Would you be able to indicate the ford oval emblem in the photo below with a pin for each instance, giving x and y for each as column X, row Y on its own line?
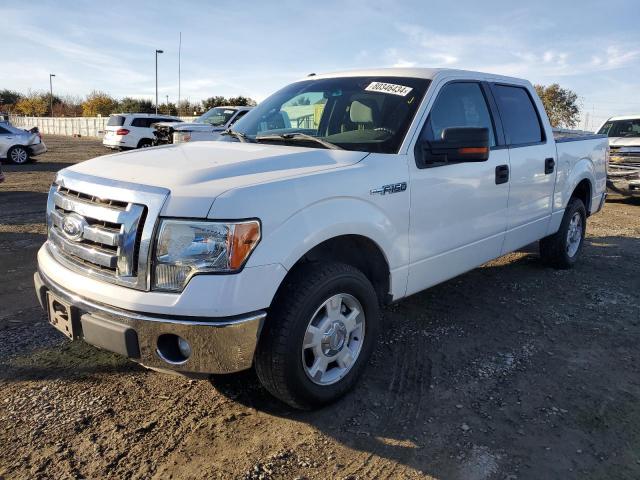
column 73, row 226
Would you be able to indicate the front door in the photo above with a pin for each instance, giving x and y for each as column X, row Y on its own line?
column 458, row 210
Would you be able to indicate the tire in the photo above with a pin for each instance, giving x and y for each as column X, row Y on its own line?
column 285, row 367
column 562, row 249
column 18, row 155
column 145, row 143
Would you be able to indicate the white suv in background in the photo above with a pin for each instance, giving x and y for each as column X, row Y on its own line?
column 132, row 130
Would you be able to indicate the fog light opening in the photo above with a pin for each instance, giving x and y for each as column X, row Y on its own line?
column 173, row 349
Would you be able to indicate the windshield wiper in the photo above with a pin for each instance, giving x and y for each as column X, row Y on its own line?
column 300, row 136
column 239, row 135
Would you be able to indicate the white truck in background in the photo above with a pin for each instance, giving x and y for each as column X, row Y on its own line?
column 276, row 246
column 624, row 145
column 206, row 127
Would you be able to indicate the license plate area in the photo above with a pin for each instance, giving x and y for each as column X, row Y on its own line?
column 60, row 314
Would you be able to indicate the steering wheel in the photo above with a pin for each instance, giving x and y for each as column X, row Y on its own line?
column 386, row 130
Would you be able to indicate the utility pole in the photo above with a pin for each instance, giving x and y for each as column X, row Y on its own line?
column 168, row 110
column 51, row 75
column 179, row 54
column 157, row 52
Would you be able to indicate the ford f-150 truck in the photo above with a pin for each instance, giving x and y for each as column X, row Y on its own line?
column 276, row 246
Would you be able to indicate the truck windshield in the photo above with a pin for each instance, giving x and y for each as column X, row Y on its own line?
column 369, row 114
column 217, row 116
column 621, row 128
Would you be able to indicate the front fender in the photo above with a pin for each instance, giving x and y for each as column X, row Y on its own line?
column 330, row 218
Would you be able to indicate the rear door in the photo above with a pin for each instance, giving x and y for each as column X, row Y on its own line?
column 533, row 166
column 458, row 210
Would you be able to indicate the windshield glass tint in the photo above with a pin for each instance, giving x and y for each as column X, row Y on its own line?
column 369, row 114
column 621, row 128
column 116, row 121
column 217, row 116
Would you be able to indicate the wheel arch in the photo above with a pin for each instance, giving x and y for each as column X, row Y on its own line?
column 356, row 250
column 582, row 191
column 143, row 141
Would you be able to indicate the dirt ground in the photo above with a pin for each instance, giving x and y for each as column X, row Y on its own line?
column 511, row 371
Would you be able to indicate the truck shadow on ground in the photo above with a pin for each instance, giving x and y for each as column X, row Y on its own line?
column 35, row 167
column 481, row 361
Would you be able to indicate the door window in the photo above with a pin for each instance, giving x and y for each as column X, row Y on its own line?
column 519, row 115
column 460, row 104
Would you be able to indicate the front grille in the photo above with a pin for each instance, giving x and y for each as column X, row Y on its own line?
column 102, row 235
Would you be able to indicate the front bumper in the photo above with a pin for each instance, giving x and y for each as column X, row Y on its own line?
column 37, row 149
column 624, row 179
column 218, row 345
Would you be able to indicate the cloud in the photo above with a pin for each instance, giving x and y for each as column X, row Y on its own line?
column 507, row 51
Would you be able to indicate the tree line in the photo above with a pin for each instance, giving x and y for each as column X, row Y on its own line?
column 561, row 105
column 40, row 104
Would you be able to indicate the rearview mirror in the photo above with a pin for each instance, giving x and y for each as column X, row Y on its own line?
column 458, row 144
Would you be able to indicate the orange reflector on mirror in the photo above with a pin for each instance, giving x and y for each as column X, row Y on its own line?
column 473, row 150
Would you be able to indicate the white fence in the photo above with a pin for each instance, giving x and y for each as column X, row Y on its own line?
column 83, row 126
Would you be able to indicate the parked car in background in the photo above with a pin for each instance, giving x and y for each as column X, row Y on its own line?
column 276, row 245
column 18, row 145
column 624, row 144
column 207, row 127
column 127, row 131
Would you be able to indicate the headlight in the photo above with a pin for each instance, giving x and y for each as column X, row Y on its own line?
column 185, row 248
column 181, row 137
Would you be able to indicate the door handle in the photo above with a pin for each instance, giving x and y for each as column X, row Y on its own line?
column 502, row 174
column 549, row 165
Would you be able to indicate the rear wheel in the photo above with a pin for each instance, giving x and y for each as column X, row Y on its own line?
column 145, row 143
column 319, row 335
column 562, row 249
column 18, row 155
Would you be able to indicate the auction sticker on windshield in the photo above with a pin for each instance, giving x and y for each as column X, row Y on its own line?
column 391, row 88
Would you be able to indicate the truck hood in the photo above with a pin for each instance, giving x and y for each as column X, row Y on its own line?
column 196, row 173
column 624, row 141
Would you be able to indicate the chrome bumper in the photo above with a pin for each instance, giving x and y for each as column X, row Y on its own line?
column 218, row 345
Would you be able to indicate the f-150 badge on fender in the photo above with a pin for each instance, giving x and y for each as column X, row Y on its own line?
column 392, row 188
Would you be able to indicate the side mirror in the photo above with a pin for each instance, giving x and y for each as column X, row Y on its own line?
column 458, row 144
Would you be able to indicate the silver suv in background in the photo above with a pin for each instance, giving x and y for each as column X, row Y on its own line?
column 125, row 131
column 206, row 127
column 18, row 145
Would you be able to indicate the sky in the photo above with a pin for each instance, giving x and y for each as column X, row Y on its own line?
column 253, row 48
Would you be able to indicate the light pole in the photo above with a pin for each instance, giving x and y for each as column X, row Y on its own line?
column 51, row 75
column 157, row 52
column 168, row 111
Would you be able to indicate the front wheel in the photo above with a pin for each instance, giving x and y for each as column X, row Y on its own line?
column 18, row 155
column 562, row 249
column 319, row 335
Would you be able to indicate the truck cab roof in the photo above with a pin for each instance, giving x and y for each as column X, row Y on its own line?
column 427, row 73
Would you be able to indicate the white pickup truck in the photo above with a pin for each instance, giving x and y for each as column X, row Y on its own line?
column 277, row 246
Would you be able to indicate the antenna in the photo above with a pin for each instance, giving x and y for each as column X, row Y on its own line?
column 179, row 55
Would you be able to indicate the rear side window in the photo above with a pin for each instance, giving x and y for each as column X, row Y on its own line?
column 4, row 131
column 142, row 122
column 519, row 115
column 116, row 121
